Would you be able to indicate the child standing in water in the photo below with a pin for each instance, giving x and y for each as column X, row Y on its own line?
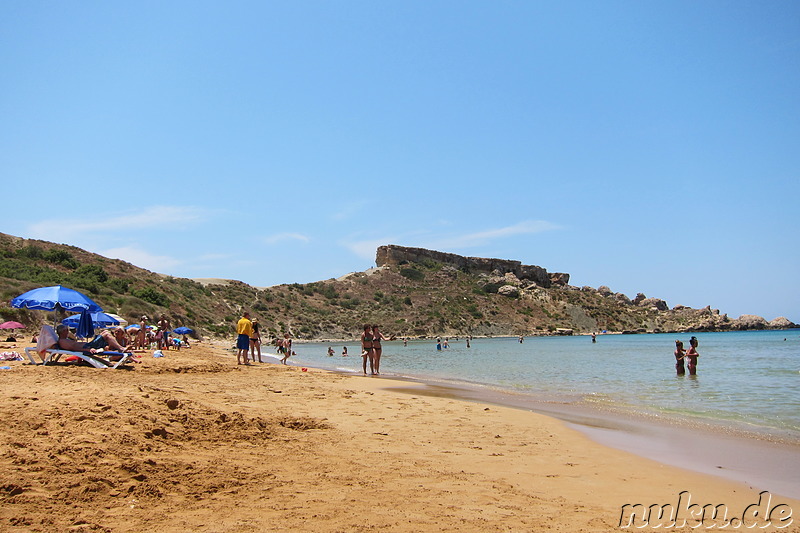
column 680, row 354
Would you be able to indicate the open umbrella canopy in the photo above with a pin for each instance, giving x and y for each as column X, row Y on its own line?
column 11, row 325
column 46, row 298
column 183, row 330
column 120, row 321
column 102, row 320
column 133, row 327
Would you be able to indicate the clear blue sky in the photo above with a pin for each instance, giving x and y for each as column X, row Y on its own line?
column 648, row 146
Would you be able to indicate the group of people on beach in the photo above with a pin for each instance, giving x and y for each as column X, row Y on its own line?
column 248, row 342
column 689, row 356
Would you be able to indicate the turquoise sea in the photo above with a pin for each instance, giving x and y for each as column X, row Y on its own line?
column 748, row 379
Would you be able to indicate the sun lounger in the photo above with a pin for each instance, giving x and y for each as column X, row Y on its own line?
column 48, row 352
column 97, row 360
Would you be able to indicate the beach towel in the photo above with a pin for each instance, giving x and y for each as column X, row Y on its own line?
column 47, row 339
column 10, row 356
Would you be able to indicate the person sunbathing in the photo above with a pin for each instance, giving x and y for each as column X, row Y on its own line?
column 105, row 338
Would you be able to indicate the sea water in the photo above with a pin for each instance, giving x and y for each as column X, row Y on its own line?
column 749, row 378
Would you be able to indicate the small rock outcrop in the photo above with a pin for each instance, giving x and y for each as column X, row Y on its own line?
column 749, row 322
column 781, row 323
column 508, row 290
column 605, row 291
column 622, row 298
column 653, row 303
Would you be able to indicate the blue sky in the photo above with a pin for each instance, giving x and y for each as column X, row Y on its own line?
column 648, row 146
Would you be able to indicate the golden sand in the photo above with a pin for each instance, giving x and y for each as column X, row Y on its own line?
column 193, row 442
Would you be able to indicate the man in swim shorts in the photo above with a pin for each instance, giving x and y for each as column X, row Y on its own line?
column 105, row 338
column 244, row 329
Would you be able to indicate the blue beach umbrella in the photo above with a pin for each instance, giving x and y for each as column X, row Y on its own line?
column 101, row 320
column 183, row 330
column 46, row 298
column 85, row 325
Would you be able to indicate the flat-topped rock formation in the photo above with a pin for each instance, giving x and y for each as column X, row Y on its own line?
column 393, row 255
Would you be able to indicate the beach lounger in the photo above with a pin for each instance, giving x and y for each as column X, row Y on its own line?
column 97, row 360
column 49, row 354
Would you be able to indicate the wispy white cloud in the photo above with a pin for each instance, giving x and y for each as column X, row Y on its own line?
column 63, row 229
column 366, row 248
column 142, row 258
column 481, row 238
column 281, row 237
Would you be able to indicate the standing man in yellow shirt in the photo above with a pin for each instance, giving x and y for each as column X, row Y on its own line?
column 244, row 328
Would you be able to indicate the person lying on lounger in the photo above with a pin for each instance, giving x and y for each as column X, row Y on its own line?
column 105, row 338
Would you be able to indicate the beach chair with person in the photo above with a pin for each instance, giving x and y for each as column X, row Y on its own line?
column 53, row 344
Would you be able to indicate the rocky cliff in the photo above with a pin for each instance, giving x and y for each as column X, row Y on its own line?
column 393, row 255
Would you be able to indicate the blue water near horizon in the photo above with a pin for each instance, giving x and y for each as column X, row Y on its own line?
column 750, row 378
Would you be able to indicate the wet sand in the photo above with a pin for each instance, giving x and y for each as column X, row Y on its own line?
column 763, row 461
column 194, row 442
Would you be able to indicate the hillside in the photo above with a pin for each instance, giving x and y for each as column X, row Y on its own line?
column 414, row 292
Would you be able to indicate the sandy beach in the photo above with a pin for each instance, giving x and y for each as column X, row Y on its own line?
column 194, row 442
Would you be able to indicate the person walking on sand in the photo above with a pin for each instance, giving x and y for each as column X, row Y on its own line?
column 680, row 355
column 377, row 349
column 255, row 342
column 287, row 347
column 692, row 355
column 244, row 330
column 366, row 348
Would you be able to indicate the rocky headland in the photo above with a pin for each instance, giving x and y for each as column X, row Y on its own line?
column 412, row 292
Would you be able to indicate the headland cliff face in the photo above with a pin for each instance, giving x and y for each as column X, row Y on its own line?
column 393, row 255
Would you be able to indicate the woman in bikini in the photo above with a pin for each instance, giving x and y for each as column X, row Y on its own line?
column 366, row 348
column 680, row 355
column 377, row 350
column 692, row 355
column 255, row 342
column 141, row 337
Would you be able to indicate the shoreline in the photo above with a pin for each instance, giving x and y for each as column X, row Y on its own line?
column 765, row 457
column 706, row 448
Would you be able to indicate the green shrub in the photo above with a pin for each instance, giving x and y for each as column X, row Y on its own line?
column 412, row 274
column 151, row 295
column 60, row 257
column 491, row 288
column 30, row 252
column 95, row 272
column 118, row 285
